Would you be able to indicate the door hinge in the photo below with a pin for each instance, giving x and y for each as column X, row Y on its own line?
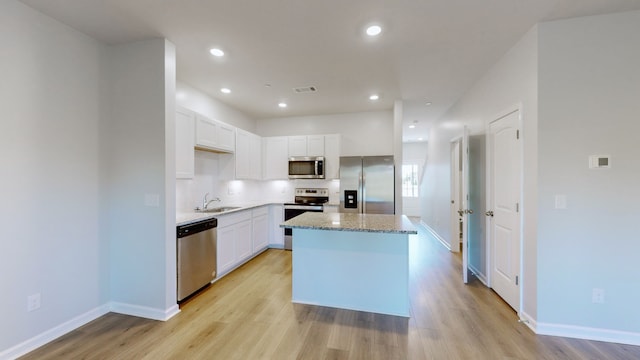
column 517, row 207
column 516, row 279
column 517, row 134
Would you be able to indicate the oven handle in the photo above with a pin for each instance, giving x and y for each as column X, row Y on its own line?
column 304, row 207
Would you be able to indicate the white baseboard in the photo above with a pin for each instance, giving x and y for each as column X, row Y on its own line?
column 588, row 333
column 529, row 321
column 480, row 276
column 64, row 328
column 144, row 311
column 435, row 235
column 54, row 333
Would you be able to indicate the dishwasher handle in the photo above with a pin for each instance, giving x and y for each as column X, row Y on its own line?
column 196, row 227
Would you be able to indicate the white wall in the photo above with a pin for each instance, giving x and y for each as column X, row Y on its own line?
column 135, row 143
column 366, row 133
column 52, row 100
column 511, row 81
column 589, row 105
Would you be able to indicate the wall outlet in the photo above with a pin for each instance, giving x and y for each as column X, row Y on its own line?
column 597, row 296
column 33, row 302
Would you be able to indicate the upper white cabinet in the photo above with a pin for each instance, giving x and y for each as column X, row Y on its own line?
column 248, row 155
column 275, row 151
column 315, row 145
column 311, row 145
column 297, row 146
column 332, row 156
column 185, row 141
column 214, row 135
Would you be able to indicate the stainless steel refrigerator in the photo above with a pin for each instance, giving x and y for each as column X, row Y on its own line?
column 367, row 184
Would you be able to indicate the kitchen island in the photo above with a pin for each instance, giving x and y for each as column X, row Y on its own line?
column 351, row 261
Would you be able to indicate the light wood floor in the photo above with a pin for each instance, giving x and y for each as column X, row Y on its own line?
column 248, row 315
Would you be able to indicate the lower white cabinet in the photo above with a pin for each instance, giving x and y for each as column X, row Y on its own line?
column 276, row 233
column 241, row 235
column 234, row 240
column 260, row 229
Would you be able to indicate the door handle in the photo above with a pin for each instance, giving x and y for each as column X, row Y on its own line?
column 489, row 213
column 469, row 211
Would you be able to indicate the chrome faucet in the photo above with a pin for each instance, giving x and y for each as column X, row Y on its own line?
column 206, row 203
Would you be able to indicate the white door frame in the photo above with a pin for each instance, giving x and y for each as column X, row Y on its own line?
column 489, row 162
column 455, row 186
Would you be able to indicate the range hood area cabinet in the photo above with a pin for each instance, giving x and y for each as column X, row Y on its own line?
column 197, row 132
column 213, row 135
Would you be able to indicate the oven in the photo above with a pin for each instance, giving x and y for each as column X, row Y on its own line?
column 305, row 200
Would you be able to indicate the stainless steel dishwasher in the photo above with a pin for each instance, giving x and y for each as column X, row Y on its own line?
column 196, row 248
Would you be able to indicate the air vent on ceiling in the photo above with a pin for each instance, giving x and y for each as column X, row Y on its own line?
column 305, row 89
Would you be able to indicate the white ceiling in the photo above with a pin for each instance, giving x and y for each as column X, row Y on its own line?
column 430, row 50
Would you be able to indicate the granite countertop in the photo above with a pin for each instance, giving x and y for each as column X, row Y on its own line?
column 184, row 218
column 394, row 224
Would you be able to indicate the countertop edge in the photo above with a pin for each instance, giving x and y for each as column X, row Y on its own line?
column 197, row 216
column 405, row 227
column 325, row 228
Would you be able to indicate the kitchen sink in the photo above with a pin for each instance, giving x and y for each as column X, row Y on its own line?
column 219, row 209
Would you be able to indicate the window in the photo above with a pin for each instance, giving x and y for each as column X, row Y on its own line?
column 410, row 180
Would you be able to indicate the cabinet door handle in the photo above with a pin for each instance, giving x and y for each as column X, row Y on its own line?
column 489, row 213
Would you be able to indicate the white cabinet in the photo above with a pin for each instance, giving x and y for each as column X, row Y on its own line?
column 275, row 151
column 244, row 243
column 315, row 145
column 185, row 141
column 243, row 154
column 241, row 235
column 332, row 156
column 260, row 221
column 297, row 146
column 256, row 157
column 214, row 135
column 248, row 155
column 276, row 233
column 226, row 249
column 234, row 239
column 311, row 145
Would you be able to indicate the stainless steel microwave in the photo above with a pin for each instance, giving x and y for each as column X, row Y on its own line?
column 306, row 167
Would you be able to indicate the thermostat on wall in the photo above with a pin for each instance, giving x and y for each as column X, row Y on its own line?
column 599, row 161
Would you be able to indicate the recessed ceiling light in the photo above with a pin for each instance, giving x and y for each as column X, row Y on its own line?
column 412, row 126
column 216, row 52
column 374, row 97
column 420, row 139
column 225, row 90
column 428, row 103
column 282, row 105
column 374, row 30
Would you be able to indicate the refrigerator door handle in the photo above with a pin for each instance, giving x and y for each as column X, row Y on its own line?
column 363, row 195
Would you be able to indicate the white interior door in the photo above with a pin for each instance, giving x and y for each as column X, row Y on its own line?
column 456, row 203
column 504, row 210
column 465, row 209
